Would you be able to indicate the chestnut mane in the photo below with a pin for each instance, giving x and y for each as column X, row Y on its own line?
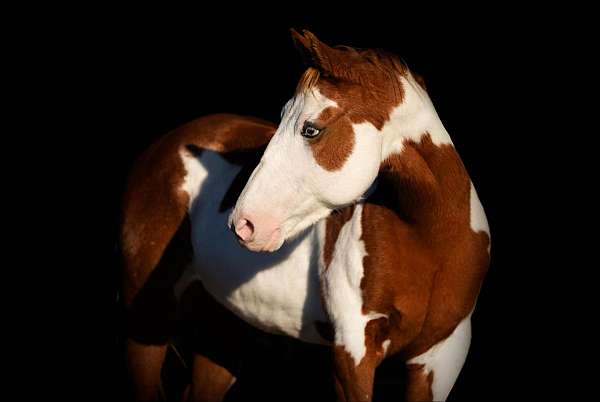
column 365, row 67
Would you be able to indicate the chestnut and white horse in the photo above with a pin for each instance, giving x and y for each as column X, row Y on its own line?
column 353, row 223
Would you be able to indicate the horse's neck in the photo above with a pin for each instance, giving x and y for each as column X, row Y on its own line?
column 422, row 175
column 412, row 119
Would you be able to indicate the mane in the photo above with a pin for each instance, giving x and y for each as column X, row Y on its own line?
column 389, row 64
column 365, row 67
column 383, row 60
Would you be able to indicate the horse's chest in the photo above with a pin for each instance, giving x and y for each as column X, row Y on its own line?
column 276, row 292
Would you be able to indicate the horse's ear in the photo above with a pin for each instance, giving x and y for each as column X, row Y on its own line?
column 316, row 53
column 303, row 46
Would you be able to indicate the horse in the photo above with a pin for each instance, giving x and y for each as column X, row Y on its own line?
column 353, row 223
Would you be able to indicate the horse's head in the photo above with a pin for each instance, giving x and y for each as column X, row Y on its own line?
column 327, row 150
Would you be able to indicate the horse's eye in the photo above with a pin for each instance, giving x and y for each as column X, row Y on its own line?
column 310, row 131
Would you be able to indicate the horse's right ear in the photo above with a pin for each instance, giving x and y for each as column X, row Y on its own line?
column 303, row 46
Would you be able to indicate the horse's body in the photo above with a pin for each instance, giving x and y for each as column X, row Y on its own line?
column 396, row 272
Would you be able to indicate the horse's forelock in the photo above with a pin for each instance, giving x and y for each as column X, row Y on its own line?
column 308, row 80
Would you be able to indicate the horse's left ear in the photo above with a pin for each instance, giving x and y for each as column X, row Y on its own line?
column 304, row 47
column 317, row 54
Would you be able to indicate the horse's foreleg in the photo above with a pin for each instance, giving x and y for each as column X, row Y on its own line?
column 418, row 383
column 432, row 374
column 356, row 361
column 354, row 382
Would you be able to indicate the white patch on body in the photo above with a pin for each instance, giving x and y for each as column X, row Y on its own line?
column 276, row 292
column 446, row 358
column 196, row 173
column 341, row 288
column 385, row 345
column 410, row 120
column 478, row 219
column 479, row 222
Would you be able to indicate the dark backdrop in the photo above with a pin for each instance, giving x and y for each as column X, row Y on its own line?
column 140, row 76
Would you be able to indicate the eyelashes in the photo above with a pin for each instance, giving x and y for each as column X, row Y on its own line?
column 309, row 130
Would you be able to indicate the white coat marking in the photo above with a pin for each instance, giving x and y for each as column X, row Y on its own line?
column 410, row 120
column 276, row 292
column 446, row 358
column 342, row 290
column 385, row 345
column 479, row 222
column 196, row 174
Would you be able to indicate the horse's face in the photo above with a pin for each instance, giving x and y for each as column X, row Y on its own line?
column 325, row 154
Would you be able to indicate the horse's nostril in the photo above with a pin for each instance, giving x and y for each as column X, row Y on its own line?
column 244, row 229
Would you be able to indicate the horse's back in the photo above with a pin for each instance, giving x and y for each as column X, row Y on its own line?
column 225, row 133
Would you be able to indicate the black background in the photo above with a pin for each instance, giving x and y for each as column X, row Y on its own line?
column 135, row 75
